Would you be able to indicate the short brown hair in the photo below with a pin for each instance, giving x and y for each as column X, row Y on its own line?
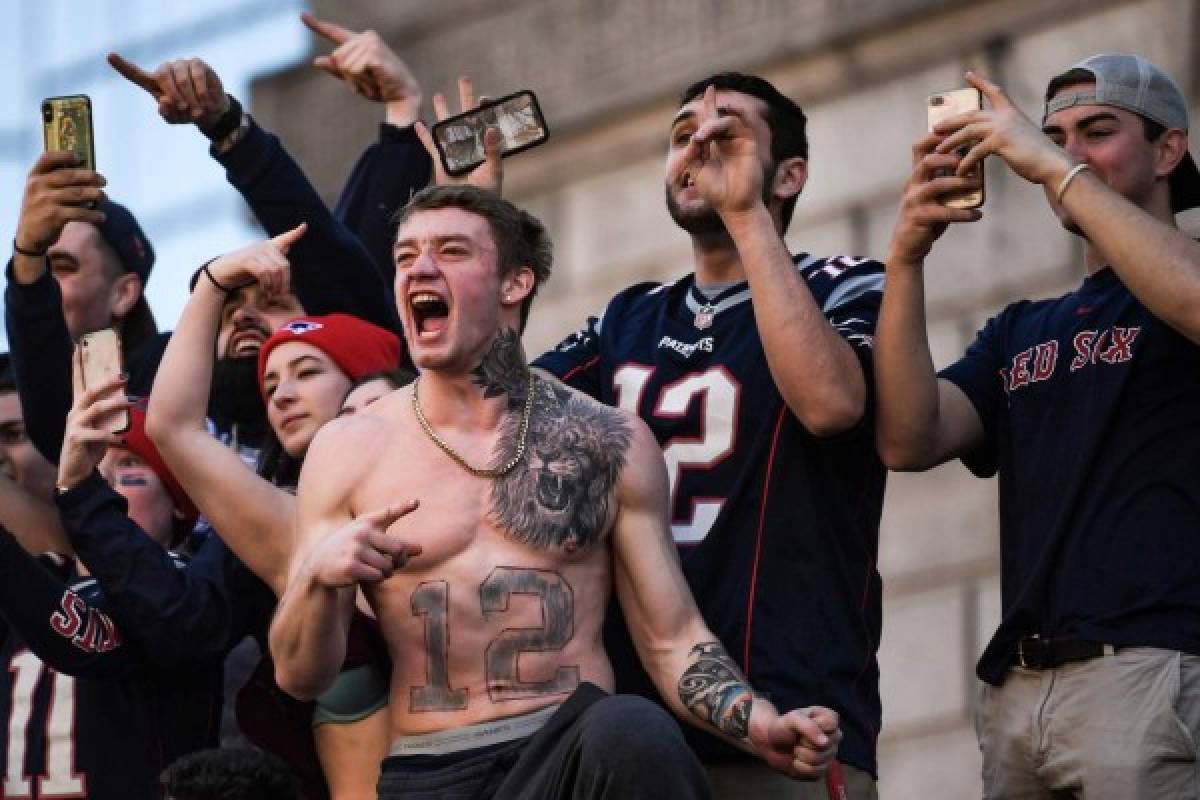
column 521, row 238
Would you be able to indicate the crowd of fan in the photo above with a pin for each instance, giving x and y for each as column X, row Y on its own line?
column 139, row 571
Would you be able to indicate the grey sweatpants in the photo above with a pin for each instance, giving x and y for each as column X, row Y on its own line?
column 596, row 746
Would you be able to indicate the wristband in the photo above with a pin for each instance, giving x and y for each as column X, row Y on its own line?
column 1066, row 181
column 27, row 253
column 226, row 124
column 204, row 269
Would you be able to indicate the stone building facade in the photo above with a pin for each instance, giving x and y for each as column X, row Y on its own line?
column 608, row 73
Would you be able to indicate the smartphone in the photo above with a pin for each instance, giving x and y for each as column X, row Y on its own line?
column 950, row 104
column 518, row 117
column 67, row 125
column 98, row 360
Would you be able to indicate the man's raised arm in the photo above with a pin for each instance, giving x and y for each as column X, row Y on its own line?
column 921, row 420
column 816, row 370
column 331, row 270
column 692, row 670
column 394, row 167
column 1159, row 263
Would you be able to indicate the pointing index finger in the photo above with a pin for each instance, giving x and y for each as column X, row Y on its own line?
column 383, row 518
column 133, row 73
column 285, row 240
column 708, row 105
column 328, row 30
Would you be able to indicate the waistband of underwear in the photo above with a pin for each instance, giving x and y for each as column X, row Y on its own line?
column 469, row 737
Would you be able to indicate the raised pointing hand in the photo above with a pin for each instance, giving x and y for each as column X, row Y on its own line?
column 186, row 90
column 263, row 262
column 365, row 62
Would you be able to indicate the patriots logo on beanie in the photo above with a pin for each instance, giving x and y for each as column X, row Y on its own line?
column 356, row 346
column 301, row 326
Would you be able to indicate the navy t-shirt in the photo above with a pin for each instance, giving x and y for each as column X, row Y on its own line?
column 778, row 529
column 1091, row 412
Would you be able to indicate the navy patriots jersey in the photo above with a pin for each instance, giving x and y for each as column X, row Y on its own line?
column 778, row 529
column 106, row 730
column 1091, row 412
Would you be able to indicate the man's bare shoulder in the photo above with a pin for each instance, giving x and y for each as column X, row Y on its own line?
column 352, row 439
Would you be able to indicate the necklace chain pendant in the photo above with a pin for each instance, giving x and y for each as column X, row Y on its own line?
column 456, row 457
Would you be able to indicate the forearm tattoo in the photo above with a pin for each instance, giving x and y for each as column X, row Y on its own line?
column 561, row 496
column 713, row 689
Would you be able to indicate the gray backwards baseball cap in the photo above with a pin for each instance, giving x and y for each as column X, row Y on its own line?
column 1134, row 84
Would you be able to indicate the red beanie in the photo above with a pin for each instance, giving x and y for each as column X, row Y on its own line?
column 136, row 442
column 355, row 345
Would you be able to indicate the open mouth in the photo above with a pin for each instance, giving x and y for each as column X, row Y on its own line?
column 430, row 313
column 246, row 343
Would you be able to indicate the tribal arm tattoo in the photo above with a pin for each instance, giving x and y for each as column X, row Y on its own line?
column 713, row 688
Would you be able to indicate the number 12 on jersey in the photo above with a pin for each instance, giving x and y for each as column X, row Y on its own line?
column 718, row 392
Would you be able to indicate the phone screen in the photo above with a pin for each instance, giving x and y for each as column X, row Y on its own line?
column 518, row 117
column 67, row 125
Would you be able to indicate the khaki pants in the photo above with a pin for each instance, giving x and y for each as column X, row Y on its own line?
column 1121, row 726
column 756, row 781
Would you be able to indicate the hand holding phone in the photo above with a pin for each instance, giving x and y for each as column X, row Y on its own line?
column 63, row 185
column 460, row 139
column 943, row 106
column 100, row 410
column 471, row 156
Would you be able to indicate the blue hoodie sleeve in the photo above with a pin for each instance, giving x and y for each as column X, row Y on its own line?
column 387, row 175
column 64, row 623
column 40, row 348
column 331, row 270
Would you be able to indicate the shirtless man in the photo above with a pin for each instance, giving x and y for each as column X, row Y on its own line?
column 487, row 513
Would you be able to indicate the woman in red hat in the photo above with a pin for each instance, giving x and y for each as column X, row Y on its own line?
column 306, row 369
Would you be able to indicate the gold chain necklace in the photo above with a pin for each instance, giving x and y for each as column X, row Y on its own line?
column 462, row 462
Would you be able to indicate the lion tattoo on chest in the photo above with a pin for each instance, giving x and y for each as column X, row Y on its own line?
column 561, row 496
